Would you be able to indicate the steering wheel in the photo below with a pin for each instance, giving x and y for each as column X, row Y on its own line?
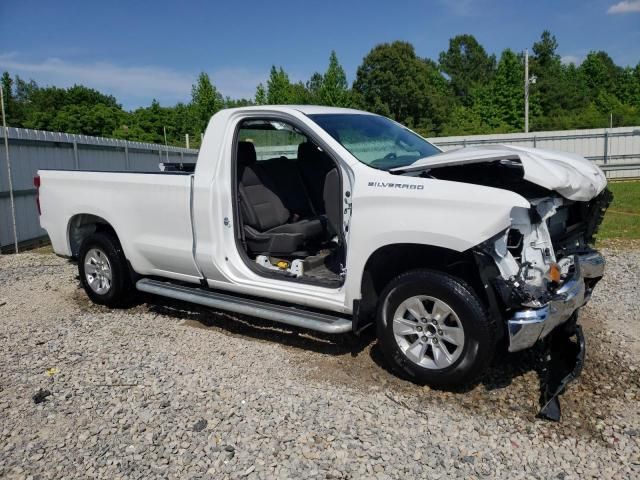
column 390, row 156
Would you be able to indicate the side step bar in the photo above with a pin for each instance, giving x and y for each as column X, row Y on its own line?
column 298, row 317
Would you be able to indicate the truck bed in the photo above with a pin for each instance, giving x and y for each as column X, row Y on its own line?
column 151, row 211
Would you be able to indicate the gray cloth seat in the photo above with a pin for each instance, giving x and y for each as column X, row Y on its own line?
column 314, row 165
column 332, row 198
column 269, row 226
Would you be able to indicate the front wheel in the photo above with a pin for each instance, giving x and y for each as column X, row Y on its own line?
column 104, row 272
column 433, row 327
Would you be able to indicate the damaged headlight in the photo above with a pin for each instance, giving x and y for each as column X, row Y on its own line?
column 525, row 257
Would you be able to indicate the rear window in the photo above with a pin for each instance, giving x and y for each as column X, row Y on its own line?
column 271, row 139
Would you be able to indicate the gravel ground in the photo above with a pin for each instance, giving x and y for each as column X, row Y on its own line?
column 170, row 390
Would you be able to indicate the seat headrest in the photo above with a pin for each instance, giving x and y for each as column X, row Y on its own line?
column 246, row 154
column 307, row 151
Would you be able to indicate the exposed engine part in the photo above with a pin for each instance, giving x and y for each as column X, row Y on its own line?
column 513, row 293
column 574, row 226
column 524, row 254
column 507, row 174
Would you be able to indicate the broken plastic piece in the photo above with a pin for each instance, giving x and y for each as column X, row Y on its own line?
column 564, row 359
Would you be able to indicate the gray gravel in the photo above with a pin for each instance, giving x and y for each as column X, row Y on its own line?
column 169, row 390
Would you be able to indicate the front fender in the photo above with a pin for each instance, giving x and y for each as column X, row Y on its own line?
column 401, row 210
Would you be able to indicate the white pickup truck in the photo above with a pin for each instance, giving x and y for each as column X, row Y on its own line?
column 336, row 219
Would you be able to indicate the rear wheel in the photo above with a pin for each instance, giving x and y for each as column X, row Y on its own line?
column 432, row 327
column 104, row 272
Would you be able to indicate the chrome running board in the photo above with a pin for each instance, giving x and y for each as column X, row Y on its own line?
column 296, row 316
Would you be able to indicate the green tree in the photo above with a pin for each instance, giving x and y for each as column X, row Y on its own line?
column 550, row 86
column 98, row 120
column 600, row 72
column 23, row 94
column 10, row 104
column 571, row 98
column 314, row 85
column 77, row 109
column 261, row 95
column 633, row 94
column 333, row 90
column 298, row 94
column 464, row 121
column 393, row 81
column 500, row 104
column 81, row 95
column 150, row 122
column 279, row 90
column 636, row 77
column 476, row 96
column 237, row 102
column 574, row 89
column 467, row 64
column 7, row 85
column 205, row 101
column 544, row 50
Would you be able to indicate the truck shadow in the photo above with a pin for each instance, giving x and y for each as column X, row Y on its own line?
column 257, row 328
column 504, row 369
column 511, row 386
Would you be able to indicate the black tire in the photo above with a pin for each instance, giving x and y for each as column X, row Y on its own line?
column 469, row 312
column 121, row 290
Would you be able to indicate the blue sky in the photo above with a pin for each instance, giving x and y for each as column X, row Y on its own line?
column 140, row 50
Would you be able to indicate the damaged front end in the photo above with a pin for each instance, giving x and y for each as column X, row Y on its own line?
column 545, row 274
column 538, row 272
column 546, row 270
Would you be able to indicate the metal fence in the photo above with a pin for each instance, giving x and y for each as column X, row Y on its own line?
column 616, row 150
column 31, row 150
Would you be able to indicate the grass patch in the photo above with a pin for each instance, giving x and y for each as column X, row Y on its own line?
column 622, row 220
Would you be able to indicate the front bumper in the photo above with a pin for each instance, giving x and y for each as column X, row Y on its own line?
column 528, row 326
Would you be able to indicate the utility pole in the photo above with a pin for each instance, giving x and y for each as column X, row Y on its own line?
column 6, row 151
column 186, row 138
column 526, row 91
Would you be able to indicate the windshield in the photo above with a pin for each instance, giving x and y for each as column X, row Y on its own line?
column 374, row 140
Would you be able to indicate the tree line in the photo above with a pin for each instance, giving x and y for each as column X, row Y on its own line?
column 466, row 91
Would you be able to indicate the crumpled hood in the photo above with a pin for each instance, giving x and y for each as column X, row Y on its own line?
column 571, row 175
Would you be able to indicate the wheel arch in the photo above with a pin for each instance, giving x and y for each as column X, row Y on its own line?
column 82, row 225
column 389, row 261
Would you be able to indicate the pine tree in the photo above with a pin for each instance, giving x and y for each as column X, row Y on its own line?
column 205, row 101
column 278, row 87
column 334, row 89
column 261, row 95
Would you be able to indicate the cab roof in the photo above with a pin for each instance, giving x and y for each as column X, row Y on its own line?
column 306, row 109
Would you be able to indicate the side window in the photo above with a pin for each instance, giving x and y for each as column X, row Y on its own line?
column 271, row 139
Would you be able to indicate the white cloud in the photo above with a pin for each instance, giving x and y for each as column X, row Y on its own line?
column 134, row 86
column 626, row 6
column 237, row 82
column 458, row 7
column 568, row 59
